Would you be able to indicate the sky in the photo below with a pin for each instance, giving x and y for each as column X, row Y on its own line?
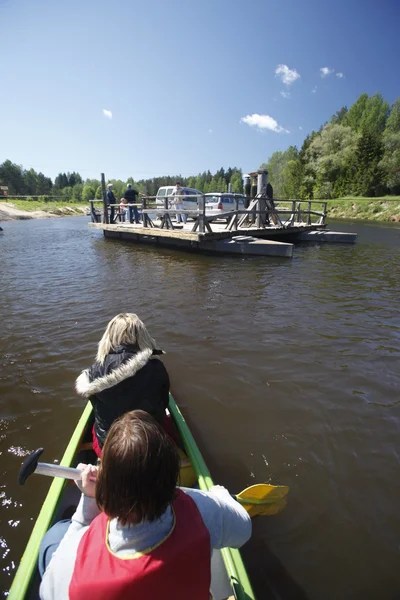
column 155, row 88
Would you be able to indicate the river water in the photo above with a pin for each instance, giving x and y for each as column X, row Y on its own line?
column 286, row 370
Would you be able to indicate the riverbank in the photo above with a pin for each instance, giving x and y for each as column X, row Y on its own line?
column 14, row 210
column 386, row 208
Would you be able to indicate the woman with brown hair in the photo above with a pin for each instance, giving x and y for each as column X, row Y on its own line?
column 134, row 533
column 127, row 375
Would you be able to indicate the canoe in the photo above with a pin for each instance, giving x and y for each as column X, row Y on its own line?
column 229, row 575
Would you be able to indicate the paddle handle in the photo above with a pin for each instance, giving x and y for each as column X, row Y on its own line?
column 32, row 465
column 52, row 470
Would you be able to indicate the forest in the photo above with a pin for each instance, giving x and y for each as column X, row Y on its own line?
column 70, row 187
column 356, row 153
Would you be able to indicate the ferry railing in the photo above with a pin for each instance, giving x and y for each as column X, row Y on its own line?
column 262, row 213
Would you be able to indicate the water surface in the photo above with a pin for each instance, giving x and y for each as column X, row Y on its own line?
column 286, row 370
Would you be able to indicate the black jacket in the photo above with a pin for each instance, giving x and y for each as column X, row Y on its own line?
column 131, row 195
column 129, row 379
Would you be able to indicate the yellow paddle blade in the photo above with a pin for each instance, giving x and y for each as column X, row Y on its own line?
column 263, row 499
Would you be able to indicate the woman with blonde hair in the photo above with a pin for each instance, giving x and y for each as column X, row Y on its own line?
column 127, row 375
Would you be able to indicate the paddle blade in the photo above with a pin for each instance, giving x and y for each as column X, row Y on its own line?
column 263, row 499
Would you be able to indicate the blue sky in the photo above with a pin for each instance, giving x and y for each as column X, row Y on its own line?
column 191, row 85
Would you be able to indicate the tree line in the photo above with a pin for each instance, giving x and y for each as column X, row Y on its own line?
column 356, row 153
column 71, row 187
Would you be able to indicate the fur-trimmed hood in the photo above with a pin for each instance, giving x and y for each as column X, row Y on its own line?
column 86, row 387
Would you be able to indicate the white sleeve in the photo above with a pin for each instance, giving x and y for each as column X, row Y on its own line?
column 227, row 521
column 57, row 577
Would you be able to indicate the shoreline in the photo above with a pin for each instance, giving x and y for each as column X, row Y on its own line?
column 10, row 212
column 358, row 209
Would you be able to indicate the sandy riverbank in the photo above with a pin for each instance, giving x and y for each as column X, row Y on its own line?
column 10, row 212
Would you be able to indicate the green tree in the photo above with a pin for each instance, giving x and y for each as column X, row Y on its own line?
column 77, row 192
column 370, row 176
column 88, row 193
column 390, row 163
column 237, row 182
column 329, row 156
column 98, row 194
column 277, row 171
column 339, row 116
column 13, row 176
column 355, row 113
column 61, row 181
column 31, row 181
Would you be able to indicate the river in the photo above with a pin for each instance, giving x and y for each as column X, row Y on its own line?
column 286, row 370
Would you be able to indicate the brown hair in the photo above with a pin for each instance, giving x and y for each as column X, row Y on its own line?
column 139, row 470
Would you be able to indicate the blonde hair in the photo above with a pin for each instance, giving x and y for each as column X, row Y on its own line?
column 125, row 328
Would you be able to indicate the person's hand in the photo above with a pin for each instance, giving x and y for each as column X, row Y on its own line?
column 87, row 484
column 219, row 490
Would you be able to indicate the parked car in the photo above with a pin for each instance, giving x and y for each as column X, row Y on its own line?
column 189, row 202
column 218, row 203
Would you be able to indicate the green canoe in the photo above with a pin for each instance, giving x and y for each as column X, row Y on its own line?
column 229, row 573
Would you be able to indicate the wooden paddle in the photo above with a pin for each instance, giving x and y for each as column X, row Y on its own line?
column 260, row 499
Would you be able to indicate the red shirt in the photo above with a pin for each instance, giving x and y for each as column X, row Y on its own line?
column 177, row 567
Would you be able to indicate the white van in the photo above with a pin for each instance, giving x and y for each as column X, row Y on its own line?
column 189, row 202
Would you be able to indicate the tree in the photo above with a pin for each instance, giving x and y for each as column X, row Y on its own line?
column 61, row 181
column 237, row 182
column 390, row 163
column 77, row 192
column 73, row 179
column 88, row 193
column 44, row 185
column 369, row 180
column 339, row 116
column 12, row 175
column 276, row 167
column 31, row 181
column 98, row 194
column 354, row 115
column 330, row 155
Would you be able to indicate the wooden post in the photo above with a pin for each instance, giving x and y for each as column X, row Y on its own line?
column 105, row 207
column 247, row 190
column 309, row 214
column 262, row 178
column 144, row 214
column 235, row 218
column 202, row 209
column 258, row 217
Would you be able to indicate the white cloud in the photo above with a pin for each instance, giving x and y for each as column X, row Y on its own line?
column 325, row 71
column 263, row 122
column 314, row 89
column 107, row 113
column 288, row 76
column 300, row 127
column 340, row 75
column 285, row 94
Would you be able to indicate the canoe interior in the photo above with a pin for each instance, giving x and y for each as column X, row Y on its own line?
column 229, row 577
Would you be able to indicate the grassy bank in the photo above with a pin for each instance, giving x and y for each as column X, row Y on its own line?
column 386, row 208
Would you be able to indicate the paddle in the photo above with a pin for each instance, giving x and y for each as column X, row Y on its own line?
column 260, row 499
